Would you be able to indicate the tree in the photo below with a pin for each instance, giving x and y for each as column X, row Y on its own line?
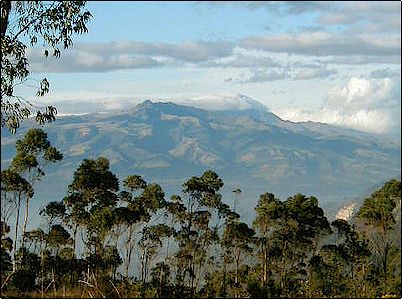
column 34, row 153
column 57, row 238
column 93, row 195
column 340, row 269
column 195, row 235
column 237, row 193
column 378, row 215
column 6, row 248
column 51, row 24
column 54, row 210
column 14, row 188
column 268, row 212
column 133, row 214
column 153, row 199
column 354, row 250
column 237, row 238
column 150, row 243
column 292, row 229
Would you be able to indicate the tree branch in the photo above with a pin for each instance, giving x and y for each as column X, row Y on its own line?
column 33, row 21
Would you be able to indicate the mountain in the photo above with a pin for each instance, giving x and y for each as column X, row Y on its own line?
column 348, row 208
column 249, row 147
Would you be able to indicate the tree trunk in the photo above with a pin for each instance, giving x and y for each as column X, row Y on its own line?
column 192, row 274
column 54, row 283
column 161, row 281
column 75, row 237
column 236, row 278
column 264, row 279
column 5, row 12
column 142, row 266
column 42, row 264
column 16, row 232
column 385, row 262
column 24, row 228
column 129, row 249
column 224, row 279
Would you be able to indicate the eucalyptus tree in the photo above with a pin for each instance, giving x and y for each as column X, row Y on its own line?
column 378, row 215
column 153, row 199
column 195, row 235
column 237, row 193
column 132, row 214
column 51, row 24
column 304, row 225
column 33, row 153
column 91, row 200
column 269, row 211
column 292, row 229
column 160, row 279
column 57, row 238
column 150, row 243
column 354, row 250
column 339, row 269
column 13, row 188
column 6, row 248
column 238, row 239
column 54, row 210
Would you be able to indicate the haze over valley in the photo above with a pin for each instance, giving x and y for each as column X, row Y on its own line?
column 242, row 140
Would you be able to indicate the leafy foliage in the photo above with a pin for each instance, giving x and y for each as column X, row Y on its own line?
column 50, row 24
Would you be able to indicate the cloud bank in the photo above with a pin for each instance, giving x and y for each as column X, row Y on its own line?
column 366, row 104
column 248, row 52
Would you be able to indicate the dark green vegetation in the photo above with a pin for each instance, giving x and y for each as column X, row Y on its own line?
column 108, row 238
column 51, row 24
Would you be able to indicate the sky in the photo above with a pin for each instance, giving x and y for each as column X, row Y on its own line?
column 332, row 62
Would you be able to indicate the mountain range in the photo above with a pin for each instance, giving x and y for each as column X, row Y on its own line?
column 249, row 147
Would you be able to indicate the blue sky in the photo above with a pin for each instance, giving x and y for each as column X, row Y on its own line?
column 334, row 62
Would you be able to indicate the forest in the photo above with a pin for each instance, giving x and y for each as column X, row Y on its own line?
column 124, row 237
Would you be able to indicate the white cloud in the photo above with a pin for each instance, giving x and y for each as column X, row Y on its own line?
column 373, row 121
column 264, row 75
column 315, row 74
column 322, row 43
column 225, row 101
column 361, row 93
column 249, row 52
column 365, row 16
column 371, row 105
column 385, row 73
column 358, row 16
column 104, row 57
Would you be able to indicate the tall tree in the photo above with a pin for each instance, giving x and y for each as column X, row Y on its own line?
column 269, row 211
column 195, row 235
column 133, row 215
column 54, row 210
column 378, row 214
column 153, row 199
column 93, row 194
column 150, row 244
column 34, row 153
column 14, row 188
column 293, row 229
column 237, row 238
column 6, row 248
column 51, row 24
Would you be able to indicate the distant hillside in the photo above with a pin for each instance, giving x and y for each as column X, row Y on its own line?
column 348, row 207
column 251, row 149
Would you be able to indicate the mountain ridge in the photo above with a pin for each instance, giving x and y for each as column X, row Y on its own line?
column 251, row 149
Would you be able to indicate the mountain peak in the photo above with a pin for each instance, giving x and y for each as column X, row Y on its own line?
column 225, row 102
column 229, row 101
column 230, row 105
